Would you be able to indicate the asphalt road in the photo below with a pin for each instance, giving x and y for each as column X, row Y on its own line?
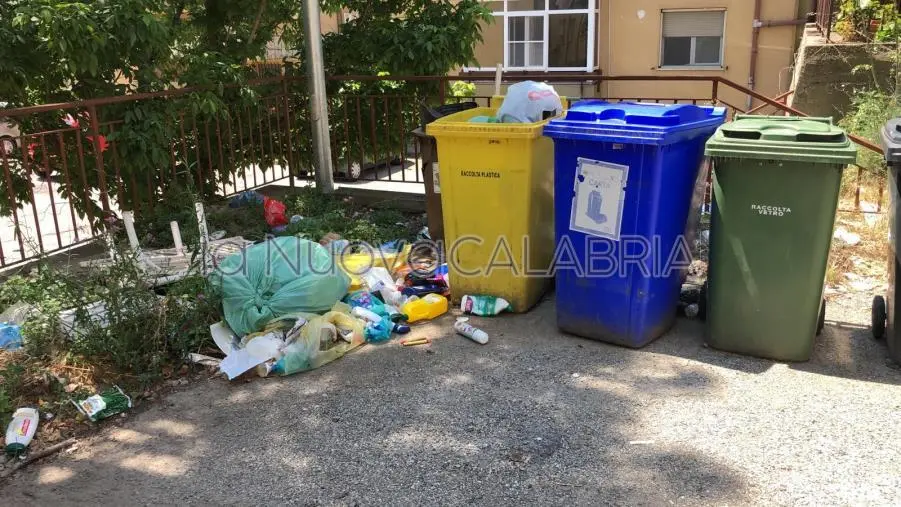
column 534, row 417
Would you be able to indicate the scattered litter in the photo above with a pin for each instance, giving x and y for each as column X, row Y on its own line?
column 106, row 404
column 473, row 333
column 426, row 308
column 43, row 453
column 239, row 362
column 278, row 277
column 274, row 212
column 94, row 312
column 246, row 198
column 871, row 212
column 378, row 332
column 641, row 442
column 21, row 430
column 378, row 279
column 692, row 310
column 424, row 289
column 49, row 416
column 575, row 375
column 10, row 336
column 224, row 338
column 293, row 344
column 296, row 219
column 416, row 341
column 484, row 306
column 17, row 314
column 846, row 237
column 861, row 284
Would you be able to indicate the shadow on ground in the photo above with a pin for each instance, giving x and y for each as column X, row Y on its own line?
column 533, row 417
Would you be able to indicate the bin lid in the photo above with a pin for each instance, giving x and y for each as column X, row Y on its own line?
column 634, row 122
column 789, row 138
column 891, row 140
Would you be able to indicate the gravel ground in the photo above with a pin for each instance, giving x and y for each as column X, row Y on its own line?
column 533, row 417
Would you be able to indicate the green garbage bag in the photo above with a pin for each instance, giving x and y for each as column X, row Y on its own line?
column 275, row 278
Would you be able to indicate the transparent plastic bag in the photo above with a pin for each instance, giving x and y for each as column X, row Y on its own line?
column 528, row 101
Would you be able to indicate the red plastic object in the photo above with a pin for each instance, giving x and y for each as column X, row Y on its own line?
column 274, row 212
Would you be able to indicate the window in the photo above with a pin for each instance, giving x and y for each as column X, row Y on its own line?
column 540, row 35
column 693, row 38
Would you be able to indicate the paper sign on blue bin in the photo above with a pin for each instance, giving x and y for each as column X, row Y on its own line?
column 625, row 177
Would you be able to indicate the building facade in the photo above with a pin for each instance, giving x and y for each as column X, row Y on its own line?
column 647, row 38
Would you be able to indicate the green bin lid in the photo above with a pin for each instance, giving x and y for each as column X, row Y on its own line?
column 788, row 138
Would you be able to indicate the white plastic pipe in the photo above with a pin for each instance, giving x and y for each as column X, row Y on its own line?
column 129, row 218
column 176, row 237
column 204, row 238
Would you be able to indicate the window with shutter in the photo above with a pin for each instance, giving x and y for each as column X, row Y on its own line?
column 693, row 38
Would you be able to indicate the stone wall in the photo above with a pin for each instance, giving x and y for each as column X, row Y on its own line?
column 827, row 75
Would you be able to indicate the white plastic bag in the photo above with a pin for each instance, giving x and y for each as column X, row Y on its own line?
column 526, row 102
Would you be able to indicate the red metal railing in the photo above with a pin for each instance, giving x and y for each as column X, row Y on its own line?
column 78, row 164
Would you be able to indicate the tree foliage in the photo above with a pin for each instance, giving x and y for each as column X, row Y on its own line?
column 60, row 51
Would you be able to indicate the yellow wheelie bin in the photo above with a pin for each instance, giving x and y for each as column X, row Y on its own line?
column 497, row 192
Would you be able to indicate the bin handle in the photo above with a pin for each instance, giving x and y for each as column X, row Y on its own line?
column 784, row 133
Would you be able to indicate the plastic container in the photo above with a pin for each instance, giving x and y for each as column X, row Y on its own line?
column 464, row 328
column 426, row 308
column 626, row 176
column 885, row 308
column 776, row 182
column 497, row 196
column 21, row 430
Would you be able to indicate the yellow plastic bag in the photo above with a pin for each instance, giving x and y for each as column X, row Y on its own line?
column 320, row 341
column 356, row 265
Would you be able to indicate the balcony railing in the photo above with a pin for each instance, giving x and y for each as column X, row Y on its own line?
column 74, row 165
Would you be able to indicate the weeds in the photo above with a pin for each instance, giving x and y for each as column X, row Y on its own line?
column 140, row 335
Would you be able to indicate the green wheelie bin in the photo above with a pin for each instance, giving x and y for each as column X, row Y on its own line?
column 776, row 183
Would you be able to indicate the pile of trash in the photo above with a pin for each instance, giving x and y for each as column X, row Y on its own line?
column 292, row 305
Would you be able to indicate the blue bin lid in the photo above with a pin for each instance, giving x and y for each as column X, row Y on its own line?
column 635, row 122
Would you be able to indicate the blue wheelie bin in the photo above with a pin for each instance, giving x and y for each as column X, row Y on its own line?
column 625, row 175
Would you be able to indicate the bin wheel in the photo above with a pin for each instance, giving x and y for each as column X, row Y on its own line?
column 702, row 303
column 878, row 317
column 821, row 319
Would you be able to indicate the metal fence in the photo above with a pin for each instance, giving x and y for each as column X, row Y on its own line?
column 74, row 166
column 826, row 10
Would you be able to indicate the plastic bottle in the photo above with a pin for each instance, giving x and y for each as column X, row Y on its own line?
column 483, row 305
column 468, row 330
column 367, row 315
column 21, row 430
column 429, row 307
column 10, row 336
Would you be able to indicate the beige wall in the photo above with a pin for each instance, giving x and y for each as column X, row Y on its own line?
column 629, row 44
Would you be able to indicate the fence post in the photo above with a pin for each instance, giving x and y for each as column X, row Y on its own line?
column 715, row 92
column 288, row 130
column 98, row 158
column 318, row 104
column 442, row 90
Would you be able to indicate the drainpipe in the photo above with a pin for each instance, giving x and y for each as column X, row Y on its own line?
column 755, row 42
column 755, row 49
